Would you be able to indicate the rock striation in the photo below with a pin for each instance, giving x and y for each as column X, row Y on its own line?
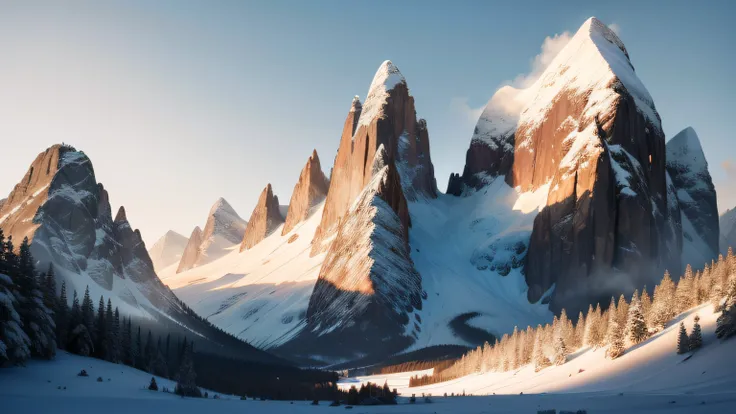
column 309, row 191
column 368, row 286
column 266, row 217
column 387, row 118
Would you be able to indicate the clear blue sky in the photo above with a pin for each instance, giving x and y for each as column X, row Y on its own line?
column 179, row 103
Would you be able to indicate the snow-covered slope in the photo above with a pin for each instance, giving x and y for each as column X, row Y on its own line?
column 652, row 367
column 167, row 250
column 35, row 389
column 260, row 294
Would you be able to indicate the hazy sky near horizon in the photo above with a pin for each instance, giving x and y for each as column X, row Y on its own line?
column 178, row 103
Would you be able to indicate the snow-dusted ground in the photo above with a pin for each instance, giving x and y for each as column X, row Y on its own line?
column 34, row 390
column 649, row 376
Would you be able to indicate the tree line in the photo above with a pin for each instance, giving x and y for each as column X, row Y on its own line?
column 34, row 322
column 620, row 326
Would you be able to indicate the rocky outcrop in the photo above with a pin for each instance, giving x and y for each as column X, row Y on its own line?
column 191, row 251
column 587, row 133
column 67, row 217
column 309, row 191
column 688, row 169
column 167, row 250
column 387, row 118
column 367, row 286
column 223, row 230
column 266, row 217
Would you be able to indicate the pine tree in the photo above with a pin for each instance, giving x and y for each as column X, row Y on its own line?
column 88, row 312
column 149, row 353
column 683, row 341
column 696, row 337
column 615, row 336
column 14, row 343
column 663, row 305
column 160, row 367
column 49, row 290
column 186, row 378
column 127, row 343
column 100, row 336
column 589, row 337
column 646, row 304
column 38, row 320
column 139, row 356
column 115, row 335
column 636, row 326
column 75, row 316
column 62, row 318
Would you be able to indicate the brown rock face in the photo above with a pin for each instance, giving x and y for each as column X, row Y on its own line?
column 66, row 214
column 309, row 191
column 387, row 118
column 264, row 219
column 191, row 252
column 589, row 131
column 367, row 285
column 28, row 195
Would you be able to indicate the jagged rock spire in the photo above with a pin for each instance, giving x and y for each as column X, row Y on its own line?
column 310, row 190
column 265, row 218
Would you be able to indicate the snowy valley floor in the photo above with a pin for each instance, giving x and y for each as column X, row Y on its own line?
column 649, row 378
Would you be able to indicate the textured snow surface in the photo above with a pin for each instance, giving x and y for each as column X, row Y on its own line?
column 386, row 78
column 457, row 242
column 594, row 62
column 652, row 367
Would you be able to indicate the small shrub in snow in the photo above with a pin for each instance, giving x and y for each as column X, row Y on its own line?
column 153, row 386
column 83, row 373
column 315, row 402
column 335, row 403
column 99, row 379
column 413, row 399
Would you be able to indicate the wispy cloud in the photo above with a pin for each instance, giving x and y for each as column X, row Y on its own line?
column 551, row 47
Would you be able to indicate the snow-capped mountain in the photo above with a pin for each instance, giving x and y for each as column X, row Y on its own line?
column 688, row 170
column 66, row 216
column 586, row 133
column 167, row 250
column 223, row 230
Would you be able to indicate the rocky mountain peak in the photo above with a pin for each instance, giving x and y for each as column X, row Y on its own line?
column 266, row 217
column 120, row 216
column 309, row 191
column 356, row 106
column 688, row 169
column 388, row 118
